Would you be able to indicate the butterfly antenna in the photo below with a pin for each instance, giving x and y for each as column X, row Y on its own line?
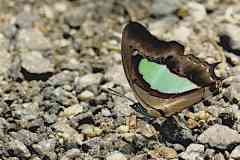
column 117, row 93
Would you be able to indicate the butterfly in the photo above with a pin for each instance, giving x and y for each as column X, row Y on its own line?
column 163, row 79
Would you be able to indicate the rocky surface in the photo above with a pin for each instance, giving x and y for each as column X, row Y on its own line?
column 58, row 58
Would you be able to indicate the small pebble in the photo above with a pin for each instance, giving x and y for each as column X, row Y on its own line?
column 106, row 112
column 88, row 80
column 164, row 152
column 123, row 129
column 145, row 129
column 5, row 62
column 210, row 152
column 61, row 78
column 116, row 74
column 75, row 17
column 219, row 136
column 197, row 11
column 219, row 156
column 164, row 7
column 116, row 155
column 232, row 31
column 193, row 152
column 46, row 148
column 235, row 153
column 71, row 154
column 72, row 110
column 19, row 149
column 86, row 95
column 68, row 133
column 60, row 6
column 33, row 39
column 26, row 19
column 26, row 136
column 34, row 62
column 90, row 130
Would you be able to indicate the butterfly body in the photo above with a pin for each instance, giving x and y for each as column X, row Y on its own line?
column 164, row 80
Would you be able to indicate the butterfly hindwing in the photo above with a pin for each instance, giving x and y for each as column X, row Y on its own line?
column 164, row 80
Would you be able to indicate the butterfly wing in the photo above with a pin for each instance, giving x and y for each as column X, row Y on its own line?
column 138, row 42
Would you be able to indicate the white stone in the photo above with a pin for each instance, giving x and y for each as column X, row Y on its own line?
column 116, row 155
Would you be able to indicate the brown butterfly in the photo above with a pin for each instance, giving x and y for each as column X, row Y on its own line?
column 164, row 80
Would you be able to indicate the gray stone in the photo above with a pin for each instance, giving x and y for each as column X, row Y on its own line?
column 19, row 149
column 60, row 6
column 90, row 130
column 182, row 34
column 15, row 69
column 32, row 39
column 86, row 95
column 71, row 154
column 35, row 62
column 232, row 30
column 193, row 152
column 4, row 43
column 72, row 110
column 13, row 158
column 197, row 11
column 116, row 74
column 162, row 26
column 46, row 148
column 26, row 19
column 144, row 128
column 72, row 64
column 27, row 111
column 80, row 118
column 235, row 153
column 3, row 125
column 140, row 157
column 62, row 78
column 219, row 156
column 64, row 97
column 80, row 14
column 195, row 148
column 232, row 92
column 35, row 158
column 235, row 59
column 88, row 80
column 26, row 136
column 116, row 155
column 101, row 98
column 10, row 31
column 5, row 62
column 219, row 136
column 106, row 112
column 69, row 134
column 122, row 106
column 163, row 7
column 178, row 147
column 210, row 152
column 75, row 17
column 50, row 117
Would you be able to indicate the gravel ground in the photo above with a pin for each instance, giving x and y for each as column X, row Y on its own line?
column 58, row 57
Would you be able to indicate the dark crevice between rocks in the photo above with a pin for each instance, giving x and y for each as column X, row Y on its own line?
column 34, row 76
column 226, row 43
column 172, row 133
column 85, row 148
column 228, row 119
column 68, row 146
column 223, row 150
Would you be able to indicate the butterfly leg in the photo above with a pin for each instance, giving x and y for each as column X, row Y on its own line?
column 140, row 109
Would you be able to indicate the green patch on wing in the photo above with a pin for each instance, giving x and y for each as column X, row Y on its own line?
column 161, row 79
